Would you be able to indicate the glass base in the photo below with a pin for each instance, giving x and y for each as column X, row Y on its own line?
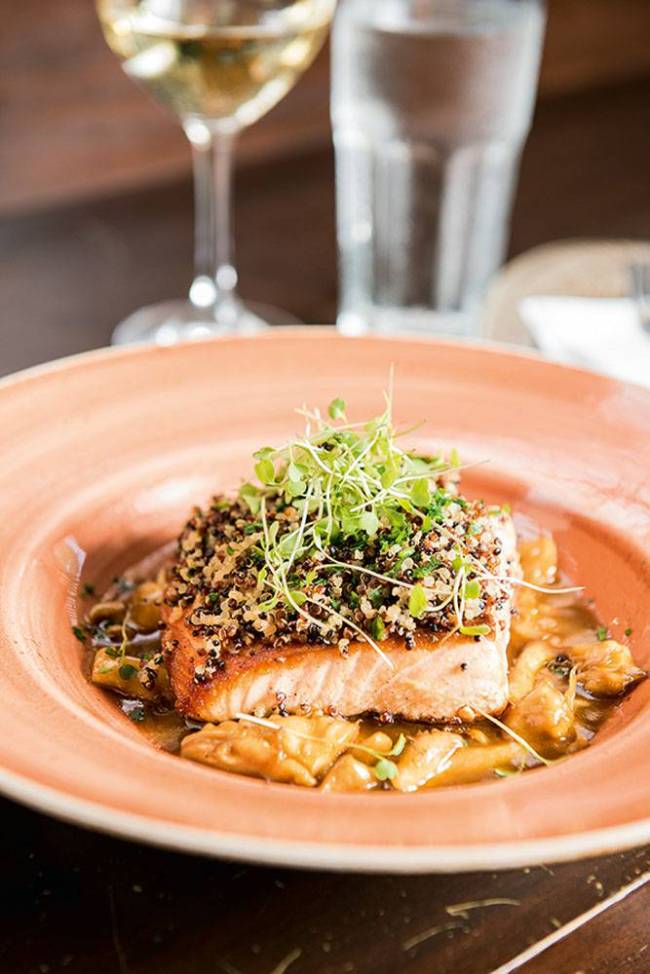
column 171, row 322
column 410, row 321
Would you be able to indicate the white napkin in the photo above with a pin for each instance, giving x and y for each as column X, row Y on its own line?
column 603, row 334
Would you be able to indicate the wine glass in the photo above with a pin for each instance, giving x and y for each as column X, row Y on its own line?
column 219, row 65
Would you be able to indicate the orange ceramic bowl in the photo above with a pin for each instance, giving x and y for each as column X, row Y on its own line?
column 104, row 454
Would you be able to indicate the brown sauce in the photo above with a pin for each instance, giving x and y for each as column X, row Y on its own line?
column 566, row 677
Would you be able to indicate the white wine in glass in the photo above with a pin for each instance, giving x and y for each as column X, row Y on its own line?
column 219, row 65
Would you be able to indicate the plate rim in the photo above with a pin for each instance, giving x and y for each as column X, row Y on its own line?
column 324, row 854
column 304, row 332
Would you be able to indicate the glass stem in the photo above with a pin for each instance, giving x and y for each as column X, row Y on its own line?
column 215, row 282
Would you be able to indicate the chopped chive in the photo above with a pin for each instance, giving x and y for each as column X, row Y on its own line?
column 472, row 589
column 377, row 628
column 481, row 630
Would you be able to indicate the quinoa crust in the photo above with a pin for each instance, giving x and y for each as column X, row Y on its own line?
column 215, row 579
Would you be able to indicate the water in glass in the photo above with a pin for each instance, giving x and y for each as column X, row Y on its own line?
column 431, row 103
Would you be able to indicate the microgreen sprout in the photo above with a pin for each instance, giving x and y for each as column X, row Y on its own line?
column 346, row 481
column 345, row 498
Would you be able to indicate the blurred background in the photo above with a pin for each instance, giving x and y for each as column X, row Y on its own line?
column 95, row 187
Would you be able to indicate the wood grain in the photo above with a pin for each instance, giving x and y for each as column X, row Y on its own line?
column 85, row 902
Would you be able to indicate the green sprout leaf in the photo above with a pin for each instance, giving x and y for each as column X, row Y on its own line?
column 389, row 475
column 420, row 493
column 418, row 602
column 336, row 409
column 126, row 671
column 385, row 770
column 369, row 522
column 265, row 471
column 454, row 459
column 264, row 453
column 296, row 472
column 251, row 497
column 80, row 633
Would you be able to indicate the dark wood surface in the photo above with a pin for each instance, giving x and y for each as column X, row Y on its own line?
column 92, row 904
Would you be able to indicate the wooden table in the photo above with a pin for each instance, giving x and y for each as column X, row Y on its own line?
column 97, row 905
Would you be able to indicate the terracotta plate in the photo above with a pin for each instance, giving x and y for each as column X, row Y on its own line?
column 103, row 455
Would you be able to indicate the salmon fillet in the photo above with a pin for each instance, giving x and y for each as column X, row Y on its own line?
column 430, row 682
column 432, row 677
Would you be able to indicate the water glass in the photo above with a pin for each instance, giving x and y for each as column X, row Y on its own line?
column 431, row 104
